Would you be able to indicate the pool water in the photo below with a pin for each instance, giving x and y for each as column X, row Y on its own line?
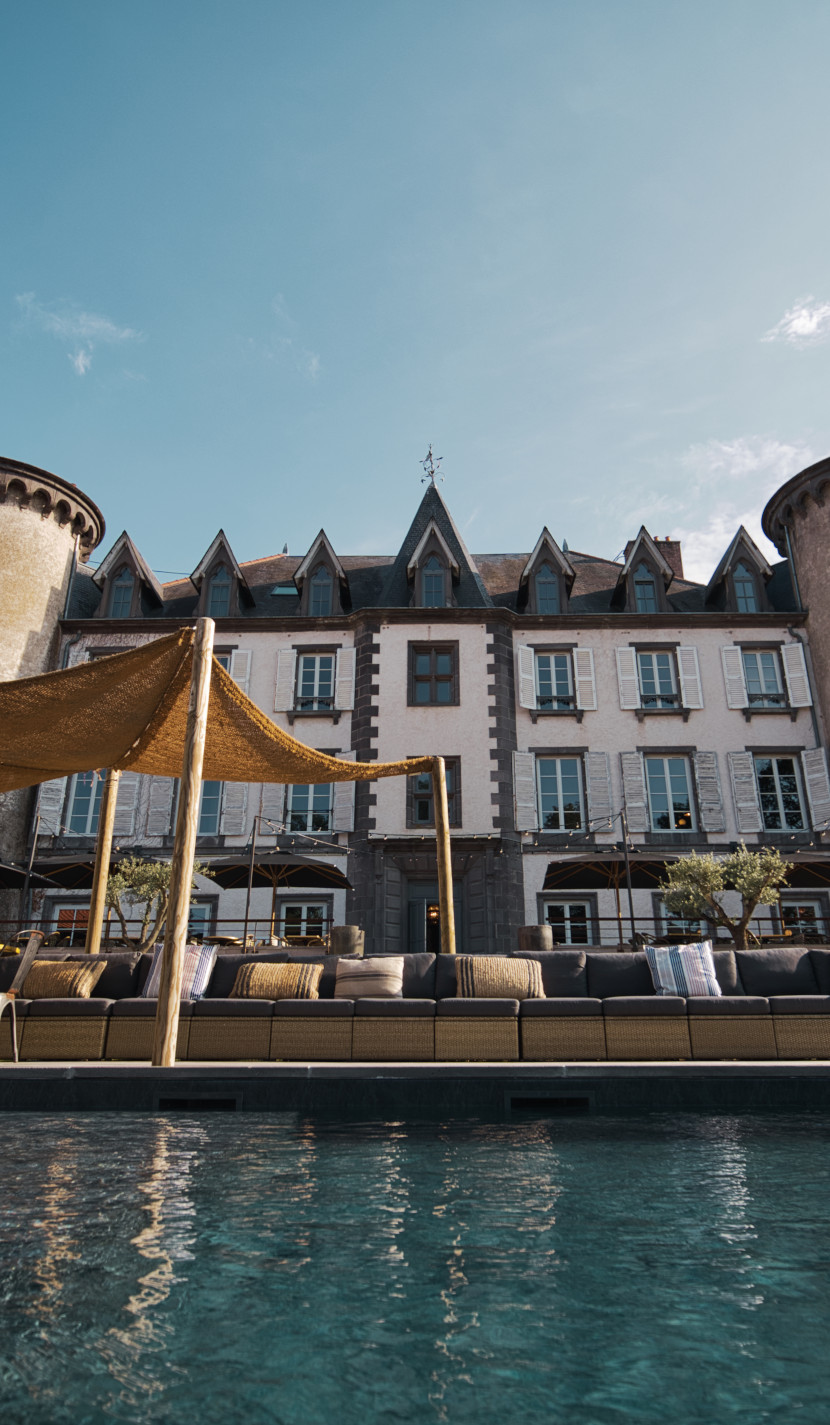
column 227, row 1268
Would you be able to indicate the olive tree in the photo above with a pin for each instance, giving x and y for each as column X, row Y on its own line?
column 143, row 885
column 695, row 884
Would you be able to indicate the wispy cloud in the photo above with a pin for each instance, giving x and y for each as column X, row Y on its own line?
column 805, row 324
column 76, row 328
column 286, row 347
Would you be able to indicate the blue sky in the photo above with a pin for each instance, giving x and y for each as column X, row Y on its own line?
column 257, row 256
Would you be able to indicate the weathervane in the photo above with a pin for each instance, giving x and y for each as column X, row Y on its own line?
column 431, row 467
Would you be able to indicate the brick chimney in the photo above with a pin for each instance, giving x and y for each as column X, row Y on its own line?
column 670, row 550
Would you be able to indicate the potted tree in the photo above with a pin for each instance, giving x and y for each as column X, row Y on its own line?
column 145, row 886
column 695, row 885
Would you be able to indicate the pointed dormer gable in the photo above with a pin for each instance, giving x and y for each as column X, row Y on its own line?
column 433, row 567
column 321, row 581
column 126, row 582
column 219, row 581
column 644, row 578
column 547, row 578
column 739, row 581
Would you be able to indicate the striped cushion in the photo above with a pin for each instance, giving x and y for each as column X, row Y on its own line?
column 377, row 977
column 198, row 966
column 62, row 979
column 498, row 977
column 683, row 969
column 277, row 982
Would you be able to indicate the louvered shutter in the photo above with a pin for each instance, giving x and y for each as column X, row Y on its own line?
column 745, row 791
column 795, row 672
column 817, row 783
column 126, row 802
column 342, row 815
column 627, row 678
column 286, row 675
column 585, row 685
column 240, row 669
column 51, row 797
column 524, row 791
column 733, row 676
column 234, row 804
column 272, row 805
column 709, row 795
column 688, row 673
column 634, row 791
column 344, row 679
column 598, row 789
column 526, row 675
column 160, row 805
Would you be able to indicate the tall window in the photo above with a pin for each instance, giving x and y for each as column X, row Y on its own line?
column 547, row 591
column 309, row 808
column 763, row 679
column 805, row 917
column 554, row 682
column 210, row 809
column 669, row 794
column 658, row 685
column 433, row 674
column 559, row 788
column 645, row 590
column 219, row 594
column 320, row 599
column 420, row 807
column 433, row 591
column 315, row 682
column 746, row 599
column 779, row 792
column 84, row 804
column 200, row 920
column 71, row 921
column 571, row 921
column 121, row 600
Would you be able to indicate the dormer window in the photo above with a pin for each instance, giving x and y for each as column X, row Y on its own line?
column 121, row 597
column 320, row 592
column 546, row 588
column 433, row 586
column 219, row 594
column 645, row 590
column 746, row 598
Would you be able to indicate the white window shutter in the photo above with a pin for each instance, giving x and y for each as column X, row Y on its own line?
column 286, row 675
column 598, row 790
column 585, row 684
column 524, row 791
column 51, row 797
column 795, row 672
column 272, row 806
column 240, row 669
column 817, row 783
column 745, row 791
column 733, row 676
column 627, row 677
column 688, row 673
column 709, row 794
column 526, row 675
column 342, row 814
column 634, row 791
column 234, row 805
column 344, row 679
column 160, row 805
column 125, row 804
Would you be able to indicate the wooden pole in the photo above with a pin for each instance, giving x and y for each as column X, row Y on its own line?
column 103, row 852
column 442, row 840
column 184, row 850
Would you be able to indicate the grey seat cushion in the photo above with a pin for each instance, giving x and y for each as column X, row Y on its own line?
column 567, row 1005
column 727, row 1004
column 445, row 985
column 370, row 1008
column 653, row 1005
column 478, row 1008
column 70, row 1008
column 726, row 972
column 234, row 1008
column 564, row 972
column 778, row 971
column 820, row 961
column 224, row 971
column 314, row 1008
column 624, row 973
column 800, row 1004
column 121, row 971
column 141, row 1008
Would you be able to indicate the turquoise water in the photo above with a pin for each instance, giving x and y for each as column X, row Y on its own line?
column 257, row 1269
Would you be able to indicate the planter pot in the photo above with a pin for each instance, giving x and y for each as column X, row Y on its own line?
column 346, row 940
column 534, row 938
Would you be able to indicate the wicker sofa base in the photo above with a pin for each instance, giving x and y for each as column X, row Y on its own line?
column 298, row 1038
column 476, row 1039
column 219, row 1038
column 405, row 1039
column 802, row 1036
column 63, row 1037
column 744, row 1036
column 565, row 1037
column 132, row 1038
column 647, row 1037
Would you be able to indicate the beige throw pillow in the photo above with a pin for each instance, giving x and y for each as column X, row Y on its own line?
column 277, row 982
column 62, row 979
column 498, row 977
column 378, row 977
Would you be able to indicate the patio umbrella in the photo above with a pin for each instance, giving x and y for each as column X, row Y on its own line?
column 12, row 876
column 71, row 873
column 606, row 872
column 276, row 869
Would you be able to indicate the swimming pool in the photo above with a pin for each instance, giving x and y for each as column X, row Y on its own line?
column 259, row 1269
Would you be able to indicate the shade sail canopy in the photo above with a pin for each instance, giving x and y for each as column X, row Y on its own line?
column 278, row 869
column 129, row 711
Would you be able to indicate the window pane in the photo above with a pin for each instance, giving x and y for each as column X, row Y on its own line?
column 219, row 596
column 443, row 692
column 321, row 591
column 422, row 663
column 210, row 808
column 87, row 789
column 547, row 591
column 744, row 586
column 443, row 664
column 122, row 595
column 669, row 794
column 645, row 593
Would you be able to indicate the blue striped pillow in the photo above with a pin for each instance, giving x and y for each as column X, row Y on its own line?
column 683, row 969
column 198, row 964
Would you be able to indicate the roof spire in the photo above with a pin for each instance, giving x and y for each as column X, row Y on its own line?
column 431, row 465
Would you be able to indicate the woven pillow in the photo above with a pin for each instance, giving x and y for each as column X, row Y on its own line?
column 198, row 966
column 377, row 977
column 61, row 979
column 498, row 977
column 683, row 969
column 277, row 982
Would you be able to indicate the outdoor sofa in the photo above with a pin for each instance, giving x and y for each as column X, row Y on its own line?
column 775, row 1003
